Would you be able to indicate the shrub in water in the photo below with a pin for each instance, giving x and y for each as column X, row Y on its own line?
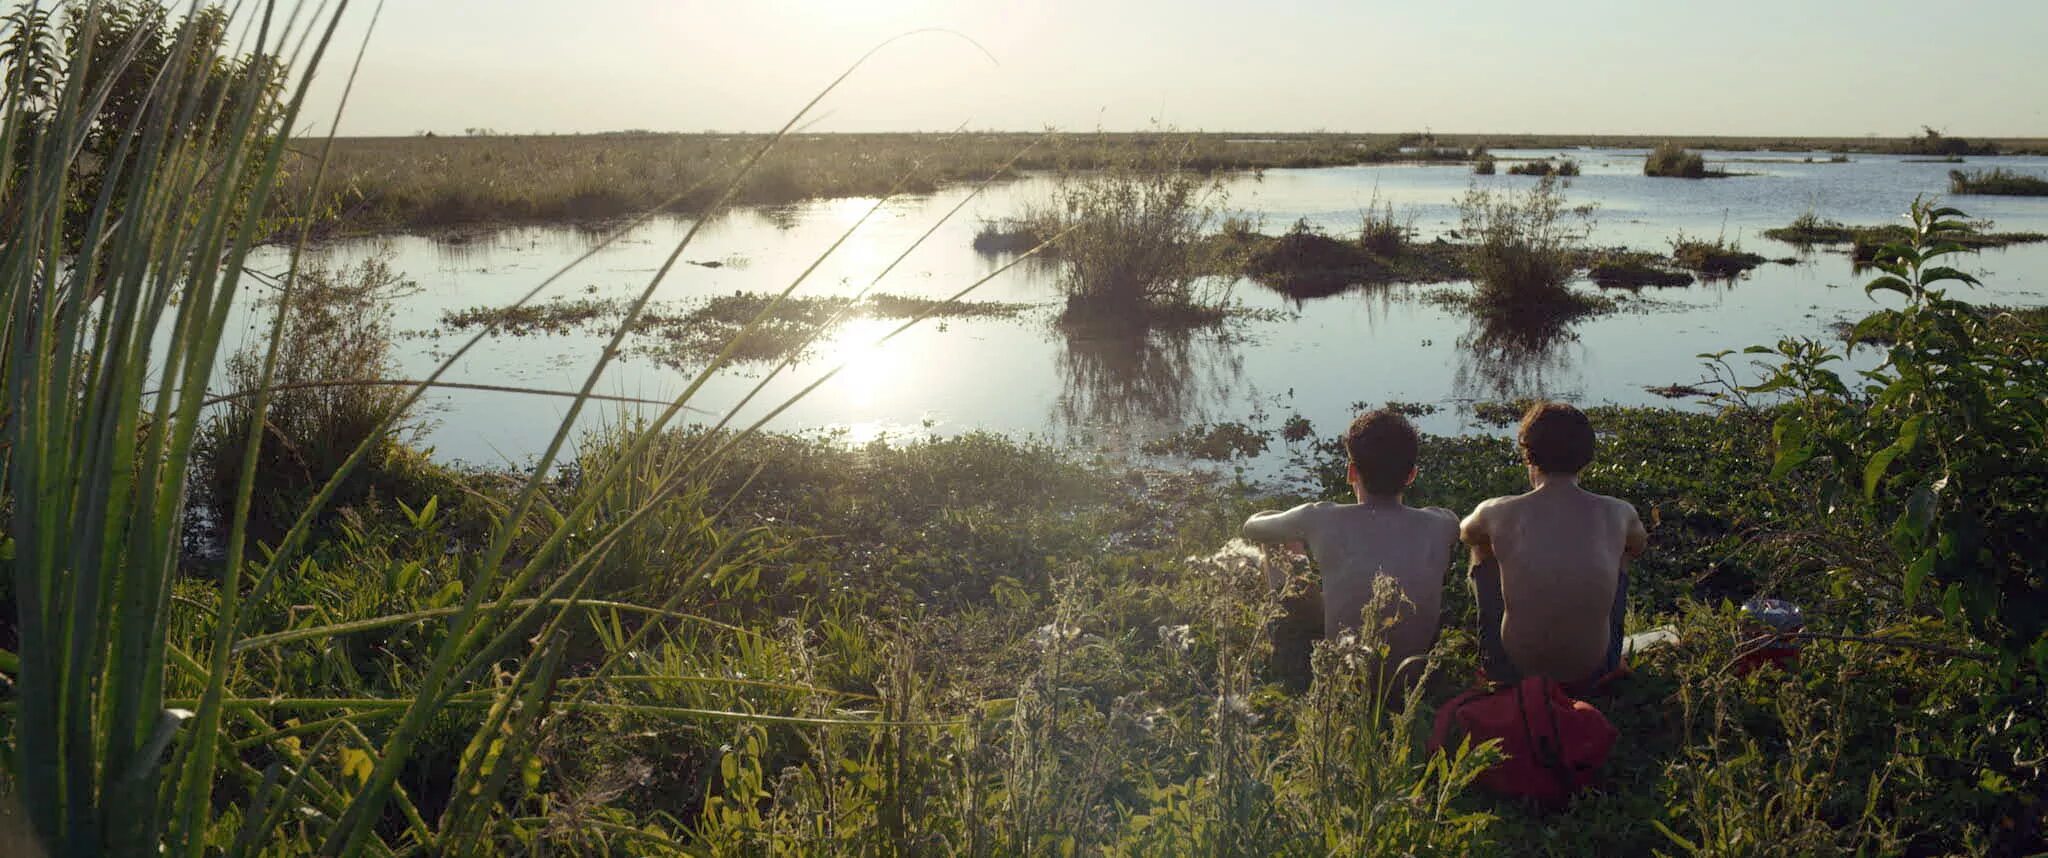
column 1523, row 243
column 1126, row 233
column 324, row 403
column 1673, row 161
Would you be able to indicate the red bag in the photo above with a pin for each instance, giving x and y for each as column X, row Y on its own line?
column 1554, row 745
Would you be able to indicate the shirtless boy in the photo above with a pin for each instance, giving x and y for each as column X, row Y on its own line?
column 1354, row 543
column 1547, row 566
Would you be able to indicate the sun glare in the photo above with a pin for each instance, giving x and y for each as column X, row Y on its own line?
column 872, row 371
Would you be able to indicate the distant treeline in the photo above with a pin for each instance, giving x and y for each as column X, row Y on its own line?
column 428, row 181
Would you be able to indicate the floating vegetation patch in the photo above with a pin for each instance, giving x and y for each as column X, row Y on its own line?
column 761, row 329
column 1679, row 391
column 1997, row 182
column 1013, row 235
column 1634, row 269
column 1217, row 442
column 1713, row 259
column 558, row 316
column 691, row 333
column 1405, row 409
column 1809, row 230
column 1501, row 413
column 1545, row 167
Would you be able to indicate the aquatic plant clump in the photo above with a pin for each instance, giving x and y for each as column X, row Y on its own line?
column 1670, row 160
column 1810, row 228
column 1523, row 249
column 1218, row 442
column 557, row 316
column 1865, row 241
column 1126, row 239
column 1999, row 181
column 1305, row 262
column 1544, row 167
column 1713, row 259
column 696, row 333
column 1636, row 269
column 1015, row 235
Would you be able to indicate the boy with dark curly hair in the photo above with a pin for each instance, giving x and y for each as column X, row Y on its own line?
column 1548, row 565
column 1378, row 536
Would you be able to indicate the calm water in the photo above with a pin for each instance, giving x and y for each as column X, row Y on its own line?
column 1023, row 376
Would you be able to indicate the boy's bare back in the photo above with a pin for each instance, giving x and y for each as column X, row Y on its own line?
column 1355, row 543
column 1561, row 550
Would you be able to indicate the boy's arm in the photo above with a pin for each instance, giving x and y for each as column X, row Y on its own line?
column 1273, row 526
column 1476, row 531
column 1636, row 538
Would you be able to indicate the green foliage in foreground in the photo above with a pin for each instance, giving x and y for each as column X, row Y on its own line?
column 1070, row 669
column 717, row 642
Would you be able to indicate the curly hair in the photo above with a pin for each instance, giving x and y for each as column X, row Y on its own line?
column 1383, row 446
column 1556, row 438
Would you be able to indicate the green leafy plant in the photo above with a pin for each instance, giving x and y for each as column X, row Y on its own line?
column 1941, row 440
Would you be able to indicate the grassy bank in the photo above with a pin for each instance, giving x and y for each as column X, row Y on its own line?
column 1056, row 692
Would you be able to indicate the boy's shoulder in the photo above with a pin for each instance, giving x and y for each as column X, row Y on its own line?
column 1438, row 512
column 1496, row 503
column 1618, row 504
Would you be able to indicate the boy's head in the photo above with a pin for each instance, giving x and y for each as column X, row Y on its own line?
column 1382, row 447
column 1556, row 438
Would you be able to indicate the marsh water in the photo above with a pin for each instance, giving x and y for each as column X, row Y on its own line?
column 1025, row 376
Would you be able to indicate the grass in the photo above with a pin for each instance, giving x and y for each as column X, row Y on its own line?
column 1999, row 181
column 1718, row 258
column 1673, row 161
column 341, row 330
column 1077, row 695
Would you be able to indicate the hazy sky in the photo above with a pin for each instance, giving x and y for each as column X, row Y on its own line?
column 1794, row 67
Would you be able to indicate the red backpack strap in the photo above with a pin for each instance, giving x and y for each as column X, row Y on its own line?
column 1448, row 712
column 1545, row 695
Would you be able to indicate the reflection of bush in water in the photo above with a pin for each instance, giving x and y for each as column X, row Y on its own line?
column 1505, row 357
column 1134, row 381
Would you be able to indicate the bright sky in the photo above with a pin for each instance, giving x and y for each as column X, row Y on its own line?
column 1767, row 67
